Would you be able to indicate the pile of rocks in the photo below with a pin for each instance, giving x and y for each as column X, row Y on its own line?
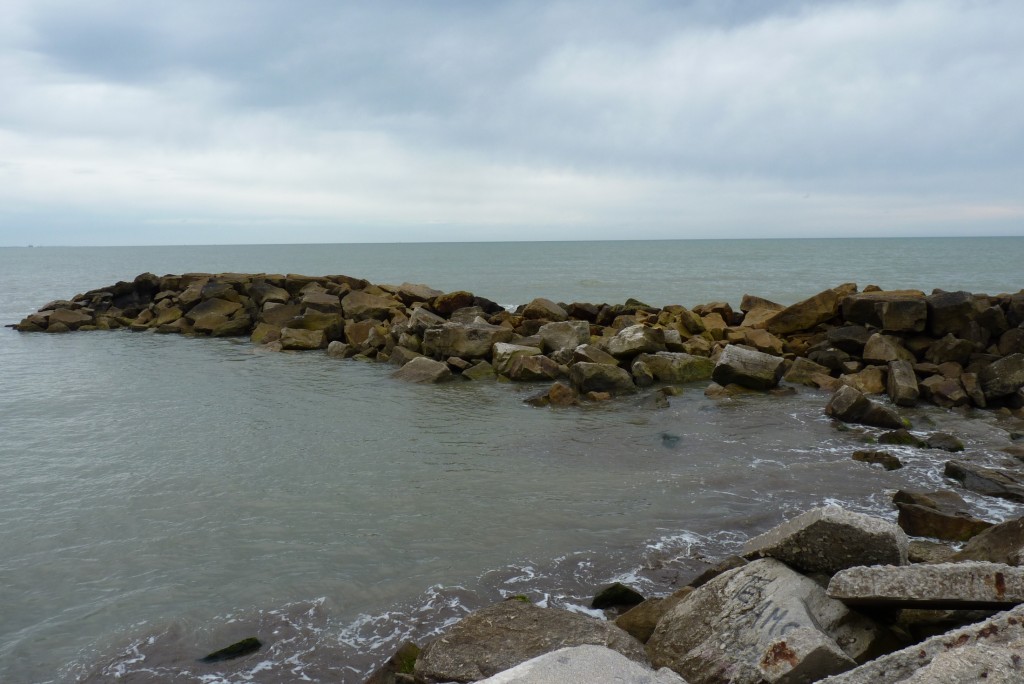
column 949, row 348
column 827, row 596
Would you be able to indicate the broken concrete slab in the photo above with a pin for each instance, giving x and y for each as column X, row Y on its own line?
column 971, row 584
column 829, row 539
column 583, row 665
column 992, row 645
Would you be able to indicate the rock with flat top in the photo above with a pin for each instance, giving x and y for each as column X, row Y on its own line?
column 966, row 585
column 761, row 622
column 1003, row 377
column 504, row 353
column 563, row 335
column 804, row 315
column 829, row 539
column 636, row 339
column 851, row 406
column 988, row 651
column 941, row 515
column 583, row 665
column 748, row 368
column 360, row 305
column 1005, row 484
column 600, row 377
column 423, row 370
column 677, row 367
column 465, row 340
column 298, row 339
column 544, row 309
column 506, row 634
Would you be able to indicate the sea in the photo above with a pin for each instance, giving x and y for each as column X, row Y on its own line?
column 162, row 497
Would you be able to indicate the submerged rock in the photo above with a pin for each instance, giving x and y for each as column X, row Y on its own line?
column 235, row 650
column 748, row 368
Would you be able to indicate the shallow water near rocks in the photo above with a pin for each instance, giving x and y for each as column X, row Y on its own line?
column 164, row 497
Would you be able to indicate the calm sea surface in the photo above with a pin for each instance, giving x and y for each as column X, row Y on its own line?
column 162, row 497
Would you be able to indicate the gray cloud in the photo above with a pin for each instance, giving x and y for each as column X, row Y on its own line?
column 566, row 119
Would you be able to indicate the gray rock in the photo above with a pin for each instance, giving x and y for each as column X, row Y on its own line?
column 829, row 539
column 885, row 348
column 950, row 312
column 506, row 634
column 533, row 368
column 901, row 385
column 1004, row 377
column 600, row 377
column 943, row 585
column 467, row 341
column 1000, row 544
column 1005, row 484
column 421, row 319
column 423, row 370
column 902, row 315
column 544, row 309
column 677, row 367
column 948, row 349
column 763, row 621
column 636, row 339
column 850, row 338
column 806, row 314
column 583, row 665
column 748, row 368
column 563, row 335
column 505, row 353
column 865, row 307
column 588, row 353
column 416, row 292
column 851, row 406
column 360, row 305
column 298, row 339
column 805, row 372
column 214, row 306
column 987, row 651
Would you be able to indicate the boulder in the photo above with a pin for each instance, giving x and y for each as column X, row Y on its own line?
column 901, row 384
column 641, row 619
column 950, row 312
column 239, row 326
column 421, row 319
column 400, row 665
column 399, row 355
column 299, row 339
column 504, row 353
column 410, row 293
column 949, row 349
column 532, row 368
column 465, row 340
column 851, row 406
column 262, row 292
column 902, row 315
column 321, row 301
column 748, row 368
column 600, row 377
column 616, row 595
column 1005, row 484
column 865, row 307
column 329, row 324
column 559, row 394
column 762, row 622
column 583, row 664
column 423, row 370
column 829, row 539
column 278, row 315
column 360, row 305
column 804, row 315
column 636, row 339
column 213, row 306
column 882, row 458
column 450, row 302
column 986, row 651
column 945, row 392
column 941, row 515
column 944, row 441
column 885, row 348
column 871, row 380
column 479, row 371
column 168, row 315
column 999, row 544
column 966, row 585
column 544, row 309
column 72, row 318
column 588, row 353
column 506, row 634
column 204, row 324
column 849, row 338
column 1004, row 377
column 677, row 368
column 563, row 335
column 805, row 372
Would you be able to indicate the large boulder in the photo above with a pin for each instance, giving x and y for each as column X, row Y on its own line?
column 949, row 348
column 902, row 315
column 544, row 309
column 423, row 370
column 506, row 634
column 410, row 293
column 328, row 323
column 532, row 368
column 1005, row 484
column 885, row 348
column 967, row 585
column 72, row 318
column 588, row 353
column 761, row 622
column 901, row 383
column 636, row 339
column 865, row 308
column 583, row 664
column 600, row 377
column 748, row 368
column 504, row 353
column 676, row 367
column 262, row 292
column 563, row 335
column 829, row 539
column 806, row 372
column 221, row 307
column 298, row 339
column 1004, row 377
column 805, row 315
column 941, row 515
column 465, row 340
column 851, row 406
column 360, row 305
column 987, row 651
column 1003, row 543
column 950, row 312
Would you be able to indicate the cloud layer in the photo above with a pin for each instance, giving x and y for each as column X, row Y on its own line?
column 261, row 121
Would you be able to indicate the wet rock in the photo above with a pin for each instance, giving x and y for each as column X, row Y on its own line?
column 851, row 406
column 468, row 341
column 849, row 338
column 583, row 664
column 882, row 458
column 901, row 384
column 760, row 622
column 278, row 315
column 72, row 319
column 641, row 620
column 331, row 325
column 401, row 663
column 600, row 377
column 262, row 292
column 748, row 368
column 235, row 650
column 299, row 340
column 532, row 368
column 871, row 380
column 944, row 441
column 588, row 353
column 399, row 355
column 509, row 633
column 1000, row 544
column 677, row 367
column 949, row 349
column 804, row 315
column 885, row 348
column 982, row 652
column 1003, row 378
column 616, row 595
column 636, row 339
column 423, row 370
column 829, row 539
column 726, row 564
column 900, row 437
column 479, row 371
column 1004, row 484
column 833, row 359
column 805, row 372
column 969, row 584
column 940, row 514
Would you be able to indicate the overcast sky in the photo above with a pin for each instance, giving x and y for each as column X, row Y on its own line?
column 253, row 121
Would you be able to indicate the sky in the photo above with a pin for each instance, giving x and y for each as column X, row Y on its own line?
column 256, row 121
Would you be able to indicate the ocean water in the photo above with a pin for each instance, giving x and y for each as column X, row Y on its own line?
column 163, row 497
